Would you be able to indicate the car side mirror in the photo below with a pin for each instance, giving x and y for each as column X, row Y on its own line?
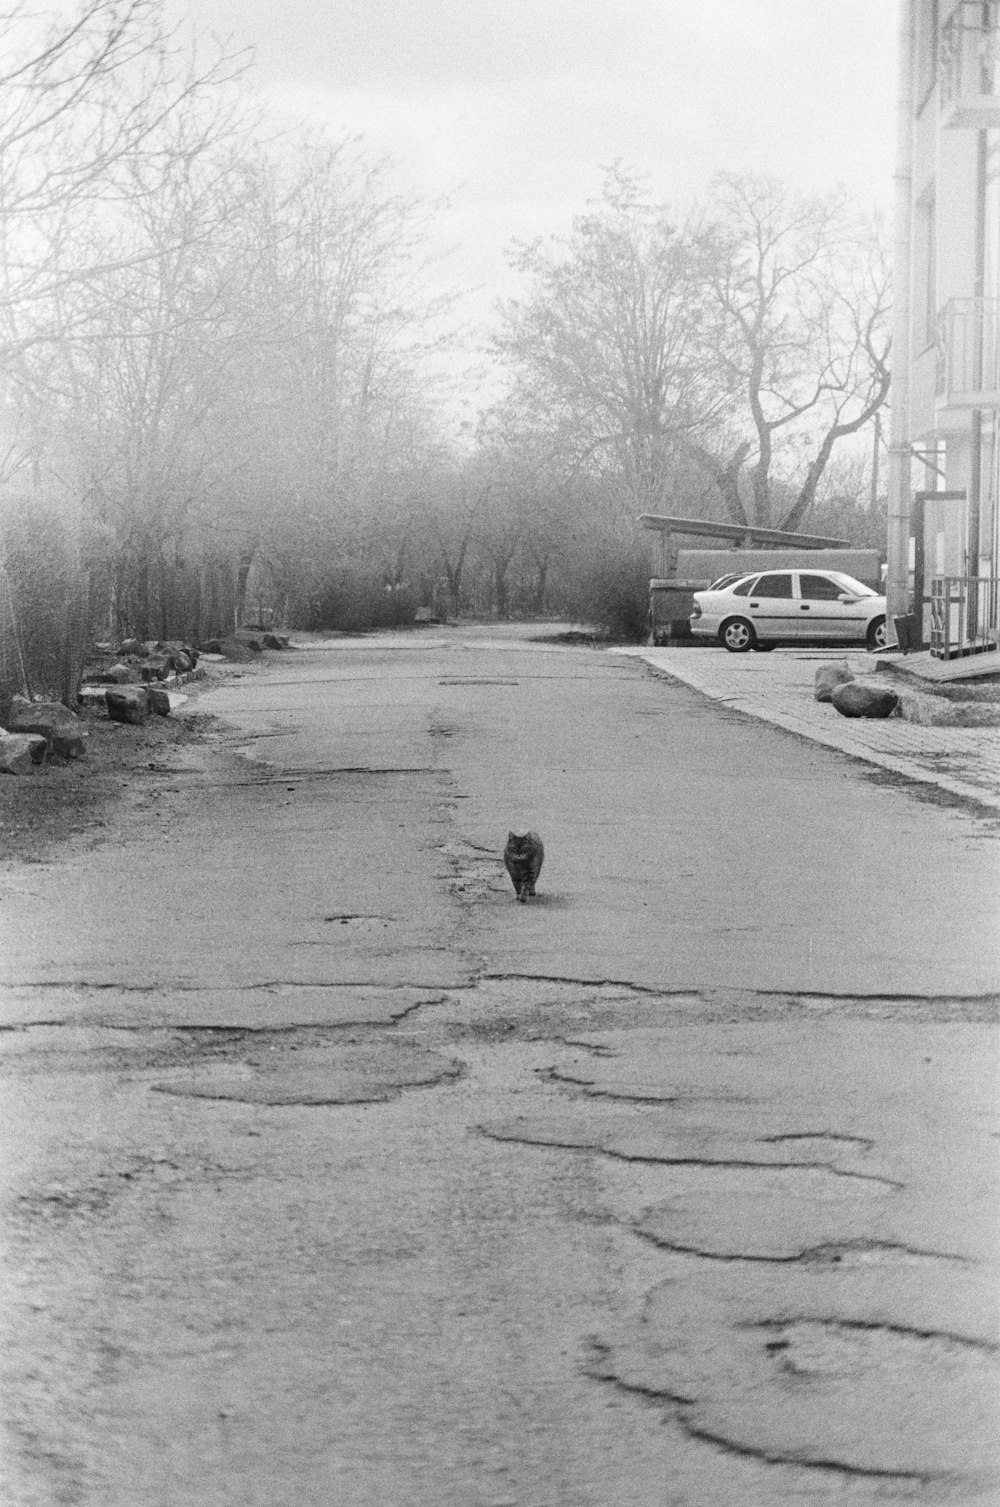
column 846, row 597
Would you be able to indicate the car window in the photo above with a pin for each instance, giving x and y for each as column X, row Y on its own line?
column 723, row 581
column 778, row 585
column 819, row 588
column 856, row 588
column 744, row 588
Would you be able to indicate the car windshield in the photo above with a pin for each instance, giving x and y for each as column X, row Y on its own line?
column 856, row 588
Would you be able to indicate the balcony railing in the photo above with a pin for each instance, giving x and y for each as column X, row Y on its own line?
column 968, row 354
column 964, row 615
column 969, row 65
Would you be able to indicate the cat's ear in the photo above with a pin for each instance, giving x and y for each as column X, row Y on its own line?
column 511, row 836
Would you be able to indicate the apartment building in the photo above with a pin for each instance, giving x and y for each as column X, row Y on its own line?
column 944, row 506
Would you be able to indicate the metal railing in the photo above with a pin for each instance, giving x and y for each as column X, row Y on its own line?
column 965, row 615
column 969, row 55
column 968, row 353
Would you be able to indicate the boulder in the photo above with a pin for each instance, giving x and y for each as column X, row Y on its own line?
column 155, row 667
column 128, row 704
column 118, row 674
column 856, row 698
column 64, row 736
column 182, row 657
column 828, row 677
column 131, row 646
column 212, row 646
column 18, row 751
column 254, row 641
column 158, row 700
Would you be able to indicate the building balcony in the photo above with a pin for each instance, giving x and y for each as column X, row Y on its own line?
column 969, row 66
column 968, row 354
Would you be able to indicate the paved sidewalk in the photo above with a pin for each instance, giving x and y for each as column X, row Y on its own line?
column 778, row 688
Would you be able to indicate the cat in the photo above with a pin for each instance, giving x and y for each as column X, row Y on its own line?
column 523, row 856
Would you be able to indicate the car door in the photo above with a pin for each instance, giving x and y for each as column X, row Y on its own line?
column 772, row 607
column 822, row 612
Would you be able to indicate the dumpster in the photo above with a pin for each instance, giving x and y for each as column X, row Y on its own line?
column 671, row 603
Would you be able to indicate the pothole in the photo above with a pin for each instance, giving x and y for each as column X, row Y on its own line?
column 838, row 1348
column 768, row 1215
column 877, row 1371
column 368, row 1072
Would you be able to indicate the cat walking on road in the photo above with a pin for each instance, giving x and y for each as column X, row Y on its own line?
column 523, row 857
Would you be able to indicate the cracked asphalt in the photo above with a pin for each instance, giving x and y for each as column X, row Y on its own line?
column 332, row 1175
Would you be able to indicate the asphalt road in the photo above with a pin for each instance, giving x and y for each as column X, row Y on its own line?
column 334, row 1176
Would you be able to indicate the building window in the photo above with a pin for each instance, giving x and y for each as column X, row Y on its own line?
column 925, row 270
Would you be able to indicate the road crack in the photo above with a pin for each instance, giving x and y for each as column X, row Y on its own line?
column 653, row 1159
column 832, row 1253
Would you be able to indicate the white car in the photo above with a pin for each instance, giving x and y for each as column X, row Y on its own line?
column 772, row 607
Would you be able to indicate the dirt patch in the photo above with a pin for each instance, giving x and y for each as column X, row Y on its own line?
column 61, row 799
column 575, row 637
column 967, row 691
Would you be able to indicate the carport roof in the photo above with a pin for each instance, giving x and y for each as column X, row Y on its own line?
column 739, row 533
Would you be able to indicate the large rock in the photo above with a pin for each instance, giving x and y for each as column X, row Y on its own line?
column 18, row 751
column 158, row 700
column 128, row 704
column 156, row 667
column 131, row 646
column 859, row 699
column 117, row 674
column 64, row 736
column 828, row 677
column 181, row 655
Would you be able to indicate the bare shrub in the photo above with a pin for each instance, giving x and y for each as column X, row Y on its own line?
column 44, row 601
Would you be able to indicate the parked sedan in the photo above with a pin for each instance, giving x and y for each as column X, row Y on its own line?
column 759, row 611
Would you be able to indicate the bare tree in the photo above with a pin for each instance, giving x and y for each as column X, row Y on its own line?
column 611, row 344
column 801, row 289
column 81, row 101
column 327, row 430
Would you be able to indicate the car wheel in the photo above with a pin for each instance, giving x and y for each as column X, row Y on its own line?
column 876, row 633
column 737, row 635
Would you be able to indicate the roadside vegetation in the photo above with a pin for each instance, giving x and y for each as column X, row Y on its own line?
column 224, row 390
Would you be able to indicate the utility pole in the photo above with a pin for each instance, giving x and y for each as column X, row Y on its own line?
column 898, row 532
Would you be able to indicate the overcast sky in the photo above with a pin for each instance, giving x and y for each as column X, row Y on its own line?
column 512, row 106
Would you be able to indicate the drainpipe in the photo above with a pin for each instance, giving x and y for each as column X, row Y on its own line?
column 976, row 425
column 898, row 533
